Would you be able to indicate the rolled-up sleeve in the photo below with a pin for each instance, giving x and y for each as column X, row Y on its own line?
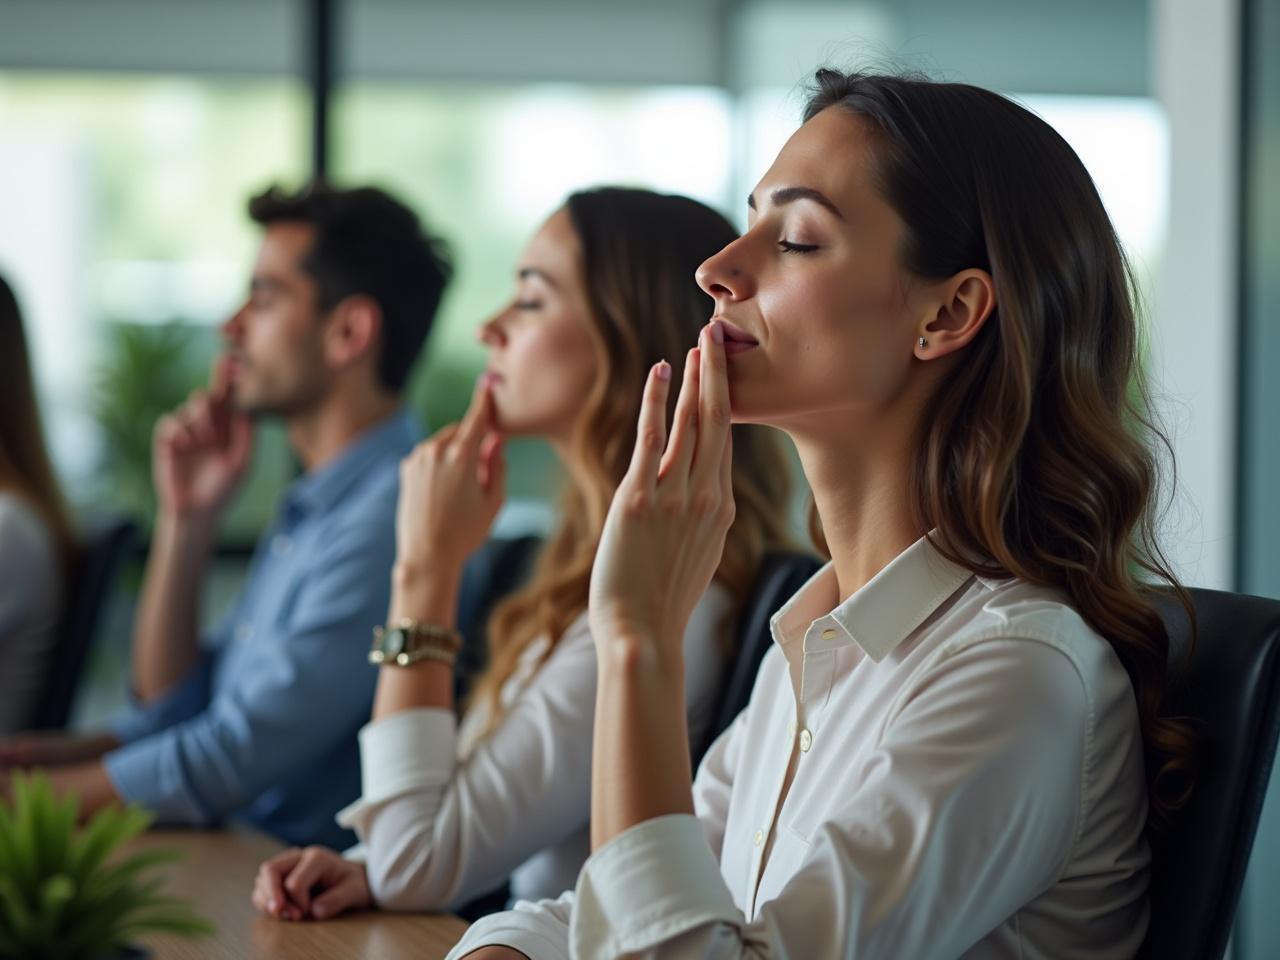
column 538, row 930
column 968, row 809
column 438, row 831
column 300, row 697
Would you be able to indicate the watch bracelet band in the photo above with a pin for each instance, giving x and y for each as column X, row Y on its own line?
column 407, row 642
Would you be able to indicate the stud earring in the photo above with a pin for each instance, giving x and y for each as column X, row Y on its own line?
column 924, row 342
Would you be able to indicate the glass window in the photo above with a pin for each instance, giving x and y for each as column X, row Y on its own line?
column 126, row 238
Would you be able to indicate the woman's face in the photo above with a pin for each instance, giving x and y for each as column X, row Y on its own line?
column 542, row 359
column 816, row 283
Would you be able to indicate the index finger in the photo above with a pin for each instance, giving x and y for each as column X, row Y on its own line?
column 272, row 872
column 651, row 431
column 478, row 420
column 714, row 414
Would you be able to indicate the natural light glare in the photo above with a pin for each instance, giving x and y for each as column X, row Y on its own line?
column 551, row 141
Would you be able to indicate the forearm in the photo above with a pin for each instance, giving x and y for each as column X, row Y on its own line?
column 89, row 782
column 640, row 760
column 165, row 632
column 427, row 597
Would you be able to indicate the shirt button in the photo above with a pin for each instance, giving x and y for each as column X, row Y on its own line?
column 281, row 545
column 758, row 838
column 828, row 634
column 806, row 741
column 244, row 631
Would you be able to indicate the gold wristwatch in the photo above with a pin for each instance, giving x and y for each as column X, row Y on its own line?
column 408, row 642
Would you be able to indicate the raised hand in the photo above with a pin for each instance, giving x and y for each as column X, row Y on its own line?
column 315, row 883
column 666, row 527
column 200, row 451
column 451, row 487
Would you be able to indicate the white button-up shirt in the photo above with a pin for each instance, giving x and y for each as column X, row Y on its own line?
column 447, row 813
column 968, row 782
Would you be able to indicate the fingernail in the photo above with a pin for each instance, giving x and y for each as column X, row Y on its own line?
column 717, row 331
column 664, row 370
column 273, row 906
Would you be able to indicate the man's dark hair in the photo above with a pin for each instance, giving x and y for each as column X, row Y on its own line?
column 367, row 242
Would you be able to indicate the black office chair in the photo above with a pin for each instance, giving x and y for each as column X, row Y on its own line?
column 781, row 575
column 1232, row 687
column 105, row 545
column 495, row 570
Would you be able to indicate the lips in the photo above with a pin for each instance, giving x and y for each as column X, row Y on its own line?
column 736, row 340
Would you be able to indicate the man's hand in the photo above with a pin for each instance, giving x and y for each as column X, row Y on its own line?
column 200, row 452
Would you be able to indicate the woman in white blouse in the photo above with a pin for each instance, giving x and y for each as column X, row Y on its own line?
column 36, row 538
column 604, row 289
column 954, row 747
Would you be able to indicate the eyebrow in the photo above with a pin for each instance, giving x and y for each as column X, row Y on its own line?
column 784, row 195
column 527, row 273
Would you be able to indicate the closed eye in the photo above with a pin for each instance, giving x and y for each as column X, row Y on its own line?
column 527, row 304
column 788, row 247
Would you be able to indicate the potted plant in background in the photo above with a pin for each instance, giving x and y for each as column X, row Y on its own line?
column 64, row 895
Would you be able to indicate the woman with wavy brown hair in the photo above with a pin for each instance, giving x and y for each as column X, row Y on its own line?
column 36, row 536
column 956, row 744
column 604, row 289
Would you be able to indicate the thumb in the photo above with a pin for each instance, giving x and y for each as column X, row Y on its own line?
column 348, row 894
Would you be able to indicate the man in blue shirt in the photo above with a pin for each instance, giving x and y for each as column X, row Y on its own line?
column 257, row 719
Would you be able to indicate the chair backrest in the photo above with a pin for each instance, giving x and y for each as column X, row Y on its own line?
column 1231, row 686
column 781, row 575
column 492, row 572
column 105, row 545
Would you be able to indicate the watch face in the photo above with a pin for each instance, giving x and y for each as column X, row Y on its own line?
column 394, row 642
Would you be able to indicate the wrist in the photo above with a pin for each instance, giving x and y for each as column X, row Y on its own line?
column 428, row 594
column 188, row 532
column 629, row 654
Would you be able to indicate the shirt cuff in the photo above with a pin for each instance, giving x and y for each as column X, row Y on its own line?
column 149, row 772
column 648, row 885
column 410, row 750
column 537, row 937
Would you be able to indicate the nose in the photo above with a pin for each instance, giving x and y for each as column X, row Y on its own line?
column 723, row 276
column 492, row 332
column 233, row 326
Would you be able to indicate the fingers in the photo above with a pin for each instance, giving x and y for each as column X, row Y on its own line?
column 478, row 420
column 713, row 408
column 351, row 892
column 493, row 465
column 651, row 431
column 684, row 428
column 268, row 887
column 303, row 878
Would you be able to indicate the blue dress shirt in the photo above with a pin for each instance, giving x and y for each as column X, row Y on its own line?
column 263, row 728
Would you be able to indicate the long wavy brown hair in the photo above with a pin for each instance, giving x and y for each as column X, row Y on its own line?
column 1039, row 455
column 640, row 251
column 25, row 467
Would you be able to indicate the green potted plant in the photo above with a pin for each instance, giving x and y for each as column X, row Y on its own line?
column 64, row 895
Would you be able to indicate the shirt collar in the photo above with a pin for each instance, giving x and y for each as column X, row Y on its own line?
column 879, row 616
column 320, row 489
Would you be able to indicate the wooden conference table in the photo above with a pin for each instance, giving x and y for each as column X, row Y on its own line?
column 216, row 876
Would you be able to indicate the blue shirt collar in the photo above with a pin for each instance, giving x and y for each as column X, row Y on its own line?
column 320, row 489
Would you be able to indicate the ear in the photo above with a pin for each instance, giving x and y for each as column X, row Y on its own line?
column 956, row 310
column 355, row 324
